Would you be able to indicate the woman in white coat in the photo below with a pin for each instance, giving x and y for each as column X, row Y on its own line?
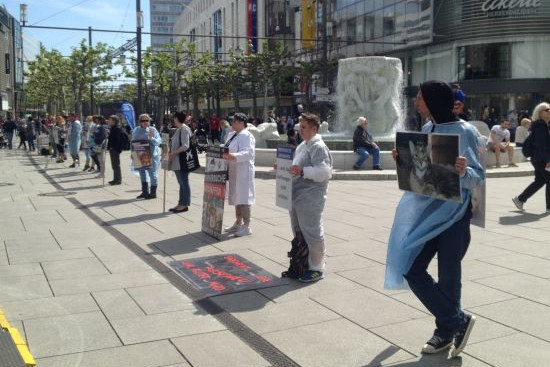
column 241, row 186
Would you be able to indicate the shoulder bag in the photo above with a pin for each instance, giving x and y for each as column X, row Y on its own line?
column 189, row 159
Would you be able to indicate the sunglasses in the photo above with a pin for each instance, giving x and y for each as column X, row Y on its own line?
column 547, row 110
column 143, row 120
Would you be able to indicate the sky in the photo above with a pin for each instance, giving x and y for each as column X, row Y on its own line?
column 100, row 14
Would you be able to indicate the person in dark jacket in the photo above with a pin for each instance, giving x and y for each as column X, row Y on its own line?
column 114, row 146
column 541, row 156
column 9, row 127
column 364, row 145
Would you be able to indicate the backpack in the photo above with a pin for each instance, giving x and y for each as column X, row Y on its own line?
column 124, row 140
column 298, row 255
column 528, row 147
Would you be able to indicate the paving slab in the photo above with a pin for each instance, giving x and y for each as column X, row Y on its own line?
column 28, row 256
column 163, row 326
column 218, row 349
column 154, row 354
column 117, row 304
column 73, row 268
column 368, row 308
column 530, row 317
column 336, row 343
column 47, row 307
column 522, row 285
column 160, row 298
column 20, row 270
column 105, row 282
column 53, row 336
column 264, row 316
column 521, row 263
column 25, row 287
column 518, row 350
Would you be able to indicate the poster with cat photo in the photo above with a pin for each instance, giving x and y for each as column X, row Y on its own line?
column 426, row 164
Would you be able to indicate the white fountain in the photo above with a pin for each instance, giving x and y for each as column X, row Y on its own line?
column 370, row 86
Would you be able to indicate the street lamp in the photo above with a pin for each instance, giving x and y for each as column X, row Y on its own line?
column 23, row 16
column 139, row 26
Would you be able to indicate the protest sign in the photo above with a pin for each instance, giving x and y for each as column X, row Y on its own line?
column 283, row 183
column 141, row 154
column 426, row 164
column 215, row 177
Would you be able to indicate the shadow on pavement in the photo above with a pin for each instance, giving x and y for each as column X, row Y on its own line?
column 137, row 218
column 183, row 245
column 523, row 218
column 425, row 360
column 108, row 203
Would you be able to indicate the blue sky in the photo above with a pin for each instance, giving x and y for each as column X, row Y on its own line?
column 100, row 14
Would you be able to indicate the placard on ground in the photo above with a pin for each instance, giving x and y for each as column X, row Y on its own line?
column 223, row 274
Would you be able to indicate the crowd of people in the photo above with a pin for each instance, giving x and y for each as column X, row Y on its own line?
column 424, row 227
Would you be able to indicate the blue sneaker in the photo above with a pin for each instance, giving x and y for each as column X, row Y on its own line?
column 311, row 276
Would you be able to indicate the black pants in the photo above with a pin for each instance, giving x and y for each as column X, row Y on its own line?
column 115, row 163
column 95, row 158
column 542, row 177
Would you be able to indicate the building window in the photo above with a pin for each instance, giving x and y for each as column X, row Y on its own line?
column 217, row 19
column 489, row 61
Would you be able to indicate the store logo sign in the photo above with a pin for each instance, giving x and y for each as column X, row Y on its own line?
column 504, row 8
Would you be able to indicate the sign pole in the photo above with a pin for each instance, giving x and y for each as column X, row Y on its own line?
column 164, row 193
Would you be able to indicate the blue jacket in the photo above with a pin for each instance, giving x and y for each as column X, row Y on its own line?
column 420, row 218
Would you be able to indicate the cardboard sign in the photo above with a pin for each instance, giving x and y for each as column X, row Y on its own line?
column 478, row 193
column 213, row 203
column 165, row 146
column 141, row 154
column 222, row 274
column 426, row 164
column 283, row 183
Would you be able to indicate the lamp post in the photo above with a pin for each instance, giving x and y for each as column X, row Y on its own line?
column 139, row 26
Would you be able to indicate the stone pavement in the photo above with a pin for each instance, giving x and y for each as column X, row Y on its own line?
column 83, row 277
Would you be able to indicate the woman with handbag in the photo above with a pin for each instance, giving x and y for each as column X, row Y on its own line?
column 180, row 144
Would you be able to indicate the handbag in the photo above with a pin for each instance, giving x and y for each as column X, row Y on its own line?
column 189, row 159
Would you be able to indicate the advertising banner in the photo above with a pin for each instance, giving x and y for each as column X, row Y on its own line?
column 213, row 203
column 127, row 110
column 283, row 183
column 478, row 194
column 165, row 146
column 141, row 154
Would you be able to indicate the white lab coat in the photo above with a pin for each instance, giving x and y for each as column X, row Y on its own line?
column 241, row 188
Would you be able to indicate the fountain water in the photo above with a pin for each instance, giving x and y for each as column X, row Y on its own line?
column 370, row 86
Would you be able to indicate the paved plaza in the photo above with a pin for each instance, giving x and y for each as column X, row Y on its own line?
column 84, row 278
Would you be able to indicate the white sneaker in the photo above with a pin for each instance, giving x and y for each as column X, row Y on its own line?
column 243, row 231
column 518, row 203
column 234, row 228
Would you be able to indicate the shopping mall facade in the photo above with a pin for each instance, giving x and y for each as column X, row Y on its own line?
column 497, row 50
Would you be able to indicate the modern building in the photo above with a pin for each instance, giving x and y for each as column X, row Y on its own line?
column 497, row 50
column 164, row 14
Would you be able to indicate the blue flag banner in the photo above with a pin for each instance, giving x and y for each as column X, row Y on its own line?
column 128, row 111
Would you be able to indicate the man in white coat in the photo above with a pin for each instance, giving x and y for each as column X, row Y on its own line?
column 241, row 186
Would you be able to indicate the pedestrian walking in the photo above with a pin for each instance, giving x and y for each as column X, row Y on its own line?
column 425, row 227
column 87, row 126
column 22, row 132
column 541, row 156
column 312, row 170
column 146, row 132
column 98, row 145
column 240, row 184
column 9, row 128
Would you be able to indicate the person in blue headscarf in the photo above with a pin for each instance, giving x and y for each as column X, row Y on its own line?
column 425, row 226
column 146, row 132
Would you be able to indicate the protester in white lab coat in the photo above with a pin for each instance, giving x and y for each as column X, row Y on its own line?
column 241, row 186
